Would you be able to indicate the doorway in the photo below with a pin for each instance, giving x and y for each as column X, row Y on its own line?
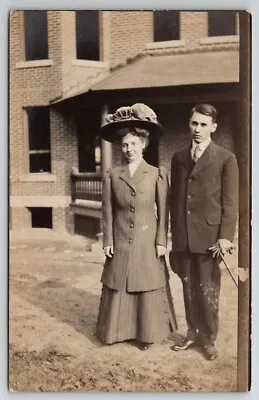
column 88, row 130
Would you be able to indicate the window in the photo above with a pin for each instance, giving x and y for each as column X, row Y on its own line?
column 41, row 217
column 166, row 26
column 39, row 139
column 35, row 35
column 221, row 23
column 87, row 35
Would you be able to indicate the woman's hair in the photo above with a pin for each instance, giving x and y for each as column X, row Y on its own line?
column 141, row 133
column 205, row 109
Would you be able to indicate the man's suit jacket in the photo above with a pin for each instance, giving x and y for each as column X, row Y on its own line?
column 135, row 219
column 204, row 198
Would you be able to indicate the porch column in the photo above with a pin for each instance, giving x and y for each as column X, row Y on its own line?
column 106, row 147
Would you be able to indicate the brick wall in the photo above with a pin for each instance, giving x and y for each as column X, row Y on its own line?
column 20, row 218
column 129, row 32
column 37, row 86
column 123, row 36
column 193, row 31
column 28, row 86
column 77, row 77
column 64, row 156
column 60, row 218
column 105, row 29
column 193, row 27
column 117, row 157
column 64, row 152
column 126, row 33
column 174, row 119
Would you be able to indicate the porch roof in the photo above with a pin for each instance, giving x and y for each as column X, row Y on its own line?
column 161, row 72
column 174, row 70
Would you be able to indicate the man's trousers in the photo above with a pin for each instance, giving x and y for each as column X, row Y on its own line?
column 201, row 276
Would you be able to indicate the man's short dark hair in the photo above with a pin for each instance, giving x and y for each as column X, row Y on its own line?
column 205, row 109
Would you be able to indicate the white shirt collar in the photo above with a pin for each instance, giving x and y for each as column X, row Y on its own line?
column 134, row 165
column 202, row 145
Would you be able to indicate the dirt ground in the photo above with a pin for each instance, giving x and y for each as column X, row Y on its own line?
column 54, row 300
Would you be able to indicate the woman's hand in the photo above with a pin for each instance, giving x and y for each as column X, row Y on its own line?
column 160, row 250
column 108, row 251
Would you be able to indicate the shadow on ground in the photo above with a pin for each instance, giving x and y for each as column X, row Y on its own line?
column 68, row 304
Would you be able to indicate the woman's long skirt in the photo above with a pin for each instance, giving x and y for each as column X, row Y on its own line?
column 145, row 316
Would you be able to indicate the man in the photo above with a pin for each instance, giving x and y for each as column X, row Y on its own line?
column 204, row 207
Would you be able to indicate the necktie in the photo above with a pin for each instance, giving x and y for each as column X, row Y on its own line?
column 195, row 156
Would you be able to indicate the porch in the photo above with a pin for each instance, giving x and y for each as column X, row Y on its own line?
column 171, row 96
column 86, row 205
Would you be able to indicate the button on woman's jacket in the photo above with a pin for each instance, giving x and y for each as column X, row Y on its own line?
column 135, row 215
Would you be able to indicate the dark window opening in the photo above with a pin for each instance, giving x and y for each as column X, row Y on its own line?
column 36, row 35
column 41, row 217
column 221, row 23
column 39, row 139
column 87, row 35
column 166, row 26
column 39, row 163
column 89, row 151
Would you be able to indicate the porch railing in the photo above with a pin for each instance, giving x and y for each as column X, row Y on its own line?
column 86, row 186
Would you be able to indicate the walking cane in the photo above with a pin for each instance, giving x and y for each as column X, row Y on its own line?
column 217, row 252
column 227, row 267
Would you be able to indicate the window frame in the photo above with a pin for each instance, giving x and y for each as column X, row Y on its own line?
column 179, row 27
column 99, row 40
column 30, row 152
column 224, row 34
column 34, row 210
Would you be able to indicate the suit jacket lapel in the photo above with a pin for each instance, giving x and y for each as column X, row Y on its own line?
column 140, row 172
column 207, row 158
column 124, row 174
column 185, row 159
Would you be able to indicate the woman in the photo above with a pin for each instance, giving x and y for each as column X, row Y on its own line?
column 136, row 296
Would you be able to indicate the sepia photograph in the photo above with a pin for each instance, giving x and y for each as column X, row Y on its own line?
column 129, row 200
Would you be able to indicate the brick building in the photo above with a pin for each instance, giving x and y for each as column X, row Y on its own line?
column 69, row 68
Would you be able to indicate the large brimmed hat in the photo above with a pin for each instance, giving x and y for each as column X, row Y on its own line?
column 138, row 116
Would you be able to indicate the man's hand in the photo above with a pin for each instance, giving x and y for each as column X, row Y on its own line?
column 222, row 246
column 160, row 250
column 225, row 246
column 108, row 251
